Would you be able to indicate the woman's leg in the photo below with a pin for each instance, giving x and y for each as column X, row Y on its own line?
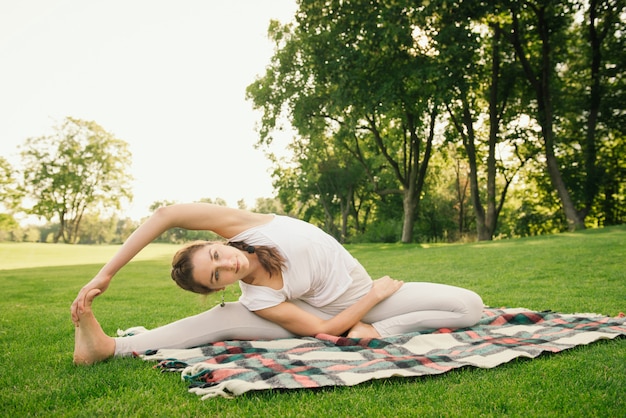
column 417, row 306
column 231, row 322
column 414, row 307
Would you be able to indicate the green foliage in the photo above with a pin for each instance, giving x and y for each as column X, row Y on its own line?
column 385, row 230
column 9, row 193
column 11, row 230
column 563, row 49
column 537, row 82
column 98, row 228
column 77, row 169
column 8, row 227
column 267, row 205
column 362, row 99
column 574, row 272
column 523, row 99
column 7, row 222
column 180, row 235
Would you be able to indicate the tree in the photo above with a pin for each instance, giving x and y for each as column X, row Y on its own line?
column 592, row 134
column 445, row 213
column 181, row 235
column 96, row 229
column 530, row 82
column 9, row 228
column 322, row 184
column 353, row 71
column 571, row 53
column 10, row 195
column 480, row 84
column 268, row 205
column 77, row 168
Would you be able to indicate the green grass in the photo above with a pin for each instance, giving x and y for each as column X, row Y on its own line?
column 579, row 272
column 28, row 255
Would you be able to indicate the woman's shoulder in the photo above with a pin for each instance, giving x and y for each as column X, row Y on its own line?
column 260, row 297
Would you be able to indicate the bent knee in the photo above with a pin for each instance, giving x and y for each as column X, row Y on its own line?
column 474, row 309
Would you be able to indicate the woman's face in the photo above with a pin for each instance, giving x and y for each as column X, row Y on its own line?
column 217, row 265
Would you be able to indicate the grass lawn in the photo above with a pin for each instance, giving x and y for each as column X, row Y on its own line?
column 578, row 272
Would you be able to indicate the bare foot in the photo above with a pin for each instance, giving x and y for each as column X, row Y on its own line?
column 91, row 344
column 362, row 330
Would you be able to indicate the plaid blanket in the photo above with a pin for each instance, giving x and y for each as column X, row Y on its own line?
column 230, row 368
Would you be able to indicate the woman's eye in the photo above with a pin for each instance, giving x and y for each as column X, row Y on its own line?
column 216, row 256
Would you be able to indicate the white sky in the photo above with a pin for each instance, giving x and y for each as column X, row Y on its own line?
column 168, row 77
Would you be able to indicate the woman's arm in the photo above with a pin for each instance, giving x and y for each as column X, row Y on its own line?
column 300, row 322
column 224, row 221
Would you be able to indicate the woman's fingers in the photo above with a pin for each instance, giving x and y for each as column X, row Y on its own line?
column 386, row 286
column 85, row 297
column 78, row 306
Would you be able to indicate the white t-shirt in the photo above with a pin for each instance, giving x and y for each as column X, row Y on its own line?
column 317, row 268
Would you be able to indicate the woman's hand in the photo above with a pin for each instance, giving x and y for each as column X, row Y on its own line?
column 385, row 287
column 295, row 319
column 78, row 306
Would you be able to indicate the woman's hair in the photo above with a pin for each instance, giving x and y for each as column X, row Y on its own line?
column 182, row 268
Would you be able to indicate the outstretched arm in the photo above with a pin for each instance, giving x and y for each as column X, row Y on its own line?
column 300, row 322
column 222, row 220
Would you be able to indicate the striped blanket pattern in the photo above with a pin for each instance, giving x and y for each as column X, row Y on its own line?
column 231, row 368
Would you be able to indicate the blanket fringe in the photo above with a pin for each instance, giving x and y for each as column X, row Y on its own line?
column 213, row 392
column 131, row 331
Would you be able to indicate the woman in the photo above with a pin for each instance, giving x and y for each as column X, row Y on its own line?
column 295, row 280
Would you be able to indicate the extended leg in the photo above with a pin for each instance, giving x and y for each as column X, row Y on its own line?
column 233, row 321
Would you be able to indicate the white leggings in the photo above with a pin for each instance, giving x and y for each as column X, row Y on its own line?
column 415, row 306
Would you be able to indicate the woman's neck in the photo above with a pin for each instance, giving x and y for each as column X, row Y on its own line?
column 259, row 276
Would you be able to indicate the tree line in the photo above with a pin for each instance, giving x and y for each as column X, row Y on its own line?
column 77, row 180
column 520, row 103
column 414, row 121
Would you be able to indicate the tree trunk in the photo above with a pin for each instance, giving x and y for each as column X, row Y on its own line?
column 491, row 217
column 346, row 206
column 590, row 149
column 411, row 175
column 461, row 192
column 417, row 175
column 465, row 128
column 541, row 85
column 61, row 232
column 483, row 228
column 409, row 204
column 486, row 219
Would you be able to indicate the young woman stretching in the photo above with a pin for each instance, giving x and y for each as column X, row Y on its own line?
column 295, row 280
